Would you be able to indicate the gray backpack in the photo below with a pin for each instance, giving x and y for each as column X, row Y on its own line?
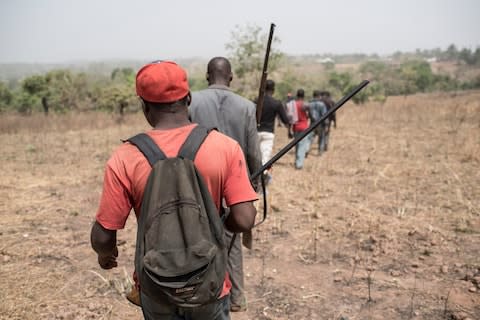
column 180, row 255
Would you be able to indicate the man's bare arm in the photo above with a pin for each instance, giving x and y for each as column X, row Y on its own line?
column 241, row 217
column 104, row 242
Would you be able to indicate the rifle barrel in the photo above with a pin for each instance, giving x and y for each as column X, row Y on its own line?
column 292, row 143
column 263, row 80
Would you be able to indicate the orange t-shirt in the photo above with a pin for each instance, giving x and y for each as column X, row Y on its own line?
column 219, row 160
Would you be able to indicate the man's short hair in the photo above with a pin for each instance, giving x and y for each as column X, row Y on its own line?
column 317, row 93
column 300, row 93
column 219, row 67
column 160, row 105
column 270, row 85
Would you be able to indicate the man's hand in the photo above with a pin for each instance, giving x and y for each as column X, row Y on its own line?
column 104, row 242
column 108, row 261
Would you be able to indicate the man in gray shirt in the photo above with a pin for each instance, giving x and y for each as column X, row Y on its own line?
column 219, row 107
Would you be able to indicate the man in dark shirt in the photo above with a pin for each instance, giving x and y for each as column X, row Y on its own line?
column 271, row 108
column 329, row 103
column 317, row 110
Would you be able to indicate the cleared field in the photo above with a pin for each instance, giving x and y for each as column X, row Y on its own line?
column 385, row 225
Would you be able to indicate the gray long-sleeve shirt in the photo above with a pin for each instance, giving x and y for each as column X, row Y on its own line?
column 219, row 107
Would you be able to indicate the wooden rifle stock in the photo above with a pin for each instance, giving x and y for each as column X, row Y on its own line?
column 263, row 81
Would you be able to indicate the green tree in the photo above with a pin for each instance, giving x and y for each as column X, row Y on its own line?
column 33, row 89
column 115, row 97
column 373, row 70
column 476, row 56
column 123, row 75
column 247, row 52
column 288, row 84
column 57, row 90
column 61, row 93
column 467, row 56
column 196, row 83
column 451, row 53
column 340, row 81
column 417, row 75
column 6, row 97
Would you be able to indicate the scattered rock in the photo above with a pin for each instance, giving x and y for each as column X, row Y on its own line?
column 415, row 265
column 468, row 276
column 395, row 273
column 444, row 269
column 337, row 279
column 459, row 316
column 476, row 280
column 472, row 289
column 6, row 258
column 275, row 208
column 458, row 265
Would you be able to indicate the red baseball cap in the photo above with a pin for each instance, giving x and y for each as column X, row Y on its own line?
column 162, row 82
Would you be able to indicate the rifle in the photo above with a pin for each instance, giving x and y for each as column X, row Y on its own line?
column 295, row 141
column 263, row 81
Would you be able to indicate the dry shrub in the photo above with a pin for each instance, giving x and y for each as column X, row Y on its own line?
column 11, row 123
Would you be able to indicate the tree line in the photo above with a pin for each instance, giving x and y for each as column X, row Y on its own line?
column 63, row 90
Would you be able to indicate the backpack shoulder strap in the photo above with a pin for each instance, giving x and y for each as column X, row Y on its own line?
column 148, row 147
column 193, row 142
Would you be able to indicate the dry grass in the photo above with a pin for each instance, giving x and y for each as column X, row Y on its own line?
column 385, row 225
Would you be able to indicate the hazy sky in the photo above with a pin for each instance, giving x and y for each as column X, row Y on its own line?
column 68, row 30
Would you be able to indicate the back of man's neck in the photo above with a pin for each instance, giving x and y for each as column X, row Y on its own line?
column 219, row 83
column 172, row 122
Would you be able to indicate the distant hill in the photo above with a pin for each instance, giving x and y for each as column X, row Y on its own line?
column 12, row 72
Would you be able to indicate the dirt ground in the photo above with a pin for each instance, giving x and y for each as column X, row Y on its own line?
column 385, row 225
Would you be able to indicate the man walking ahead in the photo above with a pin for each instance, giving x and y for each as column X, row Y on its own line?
column 271, row 108
column 316, row 111
column 163, row 89
column 299, row 127
column 218, row 107
column 329, row 103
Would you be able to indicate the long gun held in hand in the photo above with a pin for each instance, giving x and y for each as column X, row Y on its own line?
column 295, row 141
column 263, row 81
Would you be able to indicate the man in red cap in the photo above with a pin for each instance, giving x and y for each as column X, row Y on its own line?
column 163, row 89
